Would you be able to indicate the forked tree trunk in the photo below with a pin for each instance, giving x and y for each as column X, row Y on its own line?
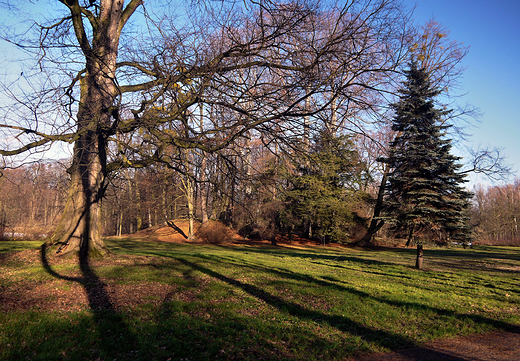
column 79, row 230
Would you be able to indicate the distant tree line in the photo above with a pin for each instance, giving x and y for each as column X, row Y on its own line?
column 31, row 198
column 329, row 197
column 496, row 212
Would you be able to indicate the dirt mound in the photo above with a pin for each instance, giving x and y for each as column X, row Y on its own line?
column 174, row 232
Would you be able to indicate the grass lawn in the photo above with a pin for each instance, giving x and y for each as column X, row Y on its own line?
column 170, row 301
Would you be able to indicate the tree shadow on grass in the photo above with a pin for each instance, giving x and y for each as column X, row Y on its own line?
column 458, row 259
column 344, row 324
column 367, row 333
column 407, row 348
column 318, row 256
column 115, row 338
column 185, row 334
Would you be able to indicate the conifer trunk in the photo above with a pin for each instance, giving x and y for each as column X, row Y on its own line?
column 375, row 222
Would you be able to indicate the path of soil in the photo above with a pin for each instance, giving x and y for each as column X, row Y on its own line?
column 495, row 346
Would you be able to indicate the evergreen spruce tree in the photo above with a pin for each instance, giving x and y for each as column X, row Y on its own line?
column 425, row 200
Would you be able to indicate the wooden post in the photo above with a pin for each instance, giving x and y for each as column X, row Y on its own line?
column 419, row 261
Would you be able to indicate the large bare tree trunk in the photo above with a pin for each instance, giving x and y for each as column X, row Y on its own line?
column 79, row 230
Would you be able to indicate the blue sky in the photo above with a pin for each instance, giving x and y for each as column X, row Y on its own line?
column 491, row 80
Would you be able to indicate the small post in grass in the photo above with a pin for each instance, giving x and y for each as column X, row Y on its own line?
column 419, row 261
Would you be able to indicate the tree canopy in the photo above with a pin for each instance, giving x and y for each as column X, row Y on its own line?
column 126, row 93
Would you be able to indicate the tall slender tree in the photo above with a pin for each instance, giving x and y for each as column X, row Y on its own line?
column 426, row 200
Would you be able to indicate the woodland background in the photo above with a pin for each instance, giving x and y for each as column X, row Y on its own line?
column 270, row 118
column 32, row 199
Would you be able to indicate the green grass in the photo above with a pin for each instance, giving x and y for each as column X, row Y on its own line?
column 274, row 303
column 11, row 246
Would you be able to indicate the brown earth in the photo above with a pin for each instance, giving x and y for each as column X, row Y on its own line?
column 494, row 346
column 59, row 295
column 161, row 233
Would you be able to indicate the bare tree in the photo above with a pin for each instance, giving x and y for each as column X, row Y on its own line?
column 495, row 213
column 260, row 65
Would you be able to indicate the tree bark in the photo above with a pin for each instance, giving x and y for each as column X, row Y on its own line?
column 139, row 210
column 375, row 223
column 79, row 230
column 410, row 237
column 203, row 186
column 273, row 239
column 190, row 196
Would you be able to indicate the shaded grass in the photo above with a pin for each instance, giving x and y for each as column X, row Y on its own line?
column 262, row 302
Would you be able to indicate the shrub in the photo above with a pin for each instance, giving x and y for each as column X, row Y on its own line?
column 214, row 232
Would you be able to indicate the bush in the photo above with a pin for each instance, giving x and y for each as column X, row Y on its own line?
column 214, row 232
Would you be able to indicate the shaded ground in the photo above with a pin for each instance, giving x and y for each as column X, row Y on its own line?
column 57, row 295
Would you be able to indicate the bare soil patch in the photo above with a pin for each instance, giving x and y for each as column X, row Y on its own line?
column 67, row 295
column 494, row 346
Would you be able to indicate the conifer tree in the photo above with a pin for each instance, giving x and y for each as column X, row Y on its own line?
column 425, row 199
column 323, row 193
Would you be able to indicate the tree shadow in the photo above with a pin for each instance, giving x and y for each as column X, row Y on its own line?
column 284, row 274
column 318, row 256
column 177, row 229
column 464, row 260
column 380, row 337
column 176, row 331
column 108, row 322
